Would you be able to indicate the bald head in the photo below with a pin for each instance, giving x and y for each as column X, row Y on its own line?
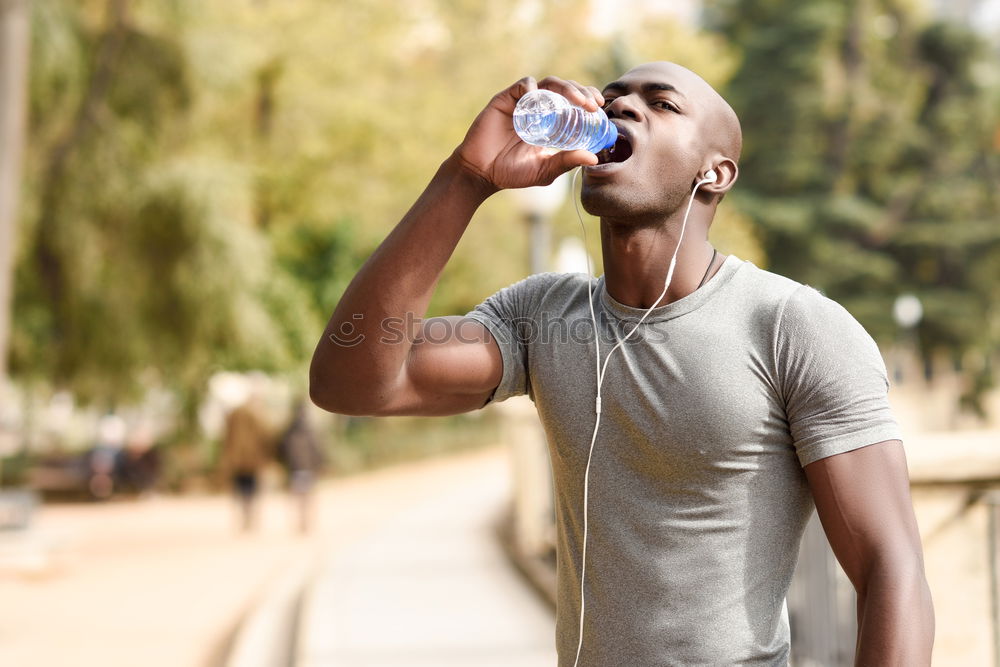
column 720, row 126
column 673, row 128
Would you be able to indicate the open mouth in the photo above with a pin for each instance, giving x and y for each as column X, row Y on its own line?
column 621, row 151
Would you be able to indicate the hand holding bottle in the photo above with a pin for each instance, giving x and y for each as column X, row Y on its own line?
column 493, row 151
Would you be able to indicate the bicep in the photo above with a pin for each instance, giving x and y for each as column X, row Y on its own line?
column 453, row 366
column 863, row 500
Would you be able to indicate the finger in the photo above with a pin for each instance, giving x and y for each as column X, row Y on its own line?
column 592, row 103
column 598, row 95
column 507, row 99
column 571, row 90
column 522, row 87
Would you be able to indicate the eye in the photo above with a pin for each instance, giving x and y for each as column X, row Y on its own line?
column 665, row 104
column 607, row 102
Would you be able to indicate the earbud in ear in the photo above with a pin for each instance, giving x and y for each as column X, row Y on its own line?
column 711, row 176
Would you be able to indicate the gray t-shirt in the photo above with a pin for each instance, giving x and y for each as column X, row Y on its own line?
column 697, row 497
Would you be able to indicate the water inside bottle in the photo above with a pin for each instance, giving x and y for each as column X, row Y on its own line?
column 535, row 127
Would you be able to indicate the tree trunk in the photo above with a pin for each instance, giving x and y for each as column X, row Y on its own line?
column 14, row 27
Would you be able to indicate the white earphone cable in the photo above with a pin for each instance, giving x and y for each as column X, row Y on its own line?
column 601, row 370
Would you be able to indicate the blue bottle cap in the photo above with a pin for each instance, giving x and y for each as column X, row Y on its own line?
column 612, row 136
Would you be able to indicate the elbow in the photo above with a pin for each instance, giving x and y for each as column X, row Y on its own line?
column 332, row 401
column 320, row 397
column 325, row 383
column 349, row 406
column 322, row 389
column 898, row 581
column 342, row 396
column 323, row 393
column 349, row 386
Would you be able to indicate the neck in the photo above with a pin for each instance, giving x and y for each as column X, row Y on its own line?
column 636, row 259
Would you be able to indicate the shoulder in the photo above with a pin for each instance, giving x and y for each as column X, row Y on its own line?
column 817, row 336
column 546, row 284
column 763, row 287
column 541, row 291
column 794, row 305
column 807, row 312
column 760, row 297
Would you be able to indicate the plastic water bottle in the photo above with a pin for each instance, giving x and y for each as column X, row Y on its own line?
column 544, row 118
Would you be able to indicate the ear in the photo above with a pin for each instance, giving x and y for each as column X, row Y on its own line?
column 726, row 173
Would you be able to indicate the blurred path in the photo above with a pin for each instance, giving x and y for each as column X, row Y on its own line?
column 166, row 581
column 162, row 581
column 430, row 587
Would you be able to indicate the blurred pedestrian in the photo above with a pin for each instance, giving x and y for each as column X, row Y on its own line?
column 141, row 463
column 300, row 452
column 103, row 462
column 246, row 450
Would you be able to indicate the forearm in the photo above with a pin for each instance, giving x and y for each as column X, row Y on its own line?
column 354, row 360
column 895, row 619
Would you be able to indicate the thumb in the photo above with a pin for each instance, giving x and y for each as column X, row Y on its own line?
column 578, row 158
column 563, row 161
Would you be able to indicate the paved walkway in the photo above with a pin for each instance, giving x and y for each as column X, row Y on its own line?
column 429, row 587
column 165, row 582
column 161, row 582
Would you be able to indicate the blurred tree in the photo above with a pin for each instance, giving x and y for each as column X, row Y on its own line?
column 868, row 165
column 14, row 30
column 204, row 178
column 140, row 266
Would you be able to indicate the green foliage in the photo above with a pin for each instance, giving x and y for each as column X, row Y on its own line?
column 205, row 178
column 140, row 264
column 869, row 166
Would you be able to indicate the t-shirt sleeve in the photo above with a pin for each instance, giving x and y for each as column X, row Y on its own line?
column 510, row 316
column 832, row 379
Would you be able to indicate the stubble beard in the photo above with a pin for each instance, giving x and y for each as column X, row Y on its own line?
column 625, row 205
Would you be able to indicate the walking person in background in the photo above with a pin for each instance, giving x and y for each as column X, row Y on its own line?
column 246, row 450
column 141, row 462
column 104, row 461
column 300, row 452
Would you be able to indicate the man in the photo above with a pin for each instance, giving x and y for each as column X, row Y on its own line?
column 744, row 397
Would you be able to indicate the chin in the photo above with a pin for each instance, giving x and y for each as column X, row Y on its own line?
column 605, row 200
column 625, row 205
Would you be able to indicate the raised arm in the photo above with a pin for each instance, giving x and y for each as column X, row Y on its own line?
column 377, row 356
column 863, row 501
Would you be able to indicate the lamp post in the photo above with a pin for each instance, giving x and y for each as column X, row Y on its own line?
column 15, row 25
column 907, row 311
column 536, row 205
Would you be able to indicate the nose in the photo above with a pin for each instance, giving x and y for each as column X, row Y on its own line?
column 624, row 107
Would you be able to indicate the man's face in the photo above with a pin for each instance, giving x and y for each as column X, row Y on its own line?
column 659, row 109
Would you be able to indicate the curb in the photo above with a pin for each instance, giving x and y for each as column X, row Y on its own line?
column 266, row 636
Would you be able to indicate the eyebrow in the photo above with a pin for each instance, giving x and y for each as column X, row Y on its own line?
column 621, row 87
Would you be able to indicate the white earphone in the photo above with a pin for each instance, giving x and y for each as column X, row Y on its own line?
column 710, row 177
